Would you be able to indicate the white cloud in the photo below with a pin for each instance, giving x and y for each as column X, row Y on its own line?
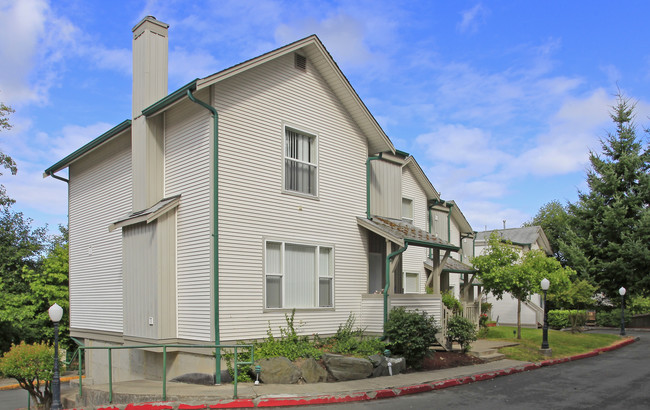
column 185, row 65
column 472, row 19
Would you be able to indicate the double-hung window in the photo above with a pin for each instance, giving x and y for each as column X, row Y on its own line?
column 299, row 276
column 407, row 210
column 300, row 162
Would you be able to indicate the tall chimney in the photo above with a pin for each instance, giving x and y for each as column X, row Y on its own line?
column 150, row 53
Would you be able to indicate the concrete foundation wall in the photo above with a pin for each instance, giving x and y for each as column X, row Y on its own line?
column 138, row 364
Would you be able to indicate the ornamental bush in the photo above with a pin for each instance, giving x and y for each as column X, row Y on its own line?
column 451, row 303
column 410, row 334
column 462, row 331
column 32, row 366
column 560, row 319
column 612, row 318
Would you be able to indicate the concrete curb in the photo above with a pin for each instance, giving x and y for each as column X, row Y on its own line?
column 285, row 401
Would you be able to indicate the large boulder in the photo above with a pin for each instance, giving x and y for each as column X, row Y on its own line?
column 312, row 372
column 347, row 368
column 380, row 364
column 278, row 370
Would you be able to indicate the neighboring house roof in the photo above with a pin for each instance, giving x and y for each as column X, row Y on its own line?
column 148, row 215
column 421, row 177
column 527, row 235
column 320, row 58
column 451, row 265
column 401, row 232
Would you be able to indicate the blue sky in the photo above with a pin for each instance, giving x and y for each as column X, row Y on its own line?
column 499, row 101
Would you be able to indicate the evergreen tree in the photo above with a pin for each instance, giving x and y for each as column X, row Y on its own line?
column 609, row 239
column 554, row 219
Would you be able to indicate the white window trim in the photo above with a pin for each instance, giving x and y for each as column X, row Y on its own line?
column 417, row 286
column 409, row 220
column 318, row 246
column 316, row 137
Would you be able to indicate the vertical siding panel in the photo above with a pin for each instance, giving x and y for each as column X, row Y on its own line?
column 99, row 194
column 414, row 256
column 386, row 189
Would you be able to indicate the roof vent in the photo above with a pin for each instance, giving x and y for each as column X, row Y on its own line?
column 301, row 62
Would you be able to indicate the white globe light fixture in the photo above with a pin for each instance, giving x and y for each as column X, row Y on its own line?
column 546, row 350
column 621, row 292
column 545, row 284
column 56, row 313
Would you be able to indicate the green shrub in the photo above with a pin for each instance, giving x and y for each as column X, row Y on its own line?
column 637, row 305
column 451, row 303
column 560, row 319
column 612, row 318
column 32, row 366
column 486, row 307
column 410, row 334
column 350, row 341
column 462, row 331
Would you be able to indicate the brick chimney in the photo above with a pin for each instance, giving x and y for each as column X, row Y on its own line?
column 150, row 54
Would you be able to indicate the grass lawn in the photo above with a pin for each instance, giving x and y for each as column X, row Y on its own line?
column 562, row 343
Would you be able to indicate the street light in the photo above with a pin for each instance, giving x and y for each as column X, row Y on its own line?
column 546, row 350
column 621, row 291
column 56, row 313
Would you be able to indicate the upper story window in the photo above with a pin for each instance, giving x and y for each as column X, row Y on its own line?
column 407, row 209
column 300, row 162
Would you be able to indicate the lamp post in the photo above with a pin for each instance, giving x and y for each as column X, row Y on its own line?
column 545, row 349
column 621, row 291
column 56, row 313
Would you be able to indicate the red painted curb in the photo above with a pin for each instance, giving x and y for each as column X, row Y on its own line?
column 189, row 407
column 234, row 404
column 418, row 388
column 382, row 394
column 302, row 401
column 445, row 383
column 148, row 406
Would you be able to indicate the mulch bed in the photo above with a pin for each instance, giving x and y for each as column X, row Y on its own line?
column 445, row 360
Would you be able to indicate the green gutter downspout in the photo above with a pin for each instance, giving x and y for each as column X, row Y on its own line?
column 215, row 227
column 368, row 184
column 450, row 206
column 430, row 227
column 388, row 258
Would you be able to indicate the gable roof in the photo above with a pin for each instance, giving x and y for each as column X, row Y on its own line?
column 421, row 177
column 317, row 54
column 320, row 58
column 451, row 265
column 526, row 235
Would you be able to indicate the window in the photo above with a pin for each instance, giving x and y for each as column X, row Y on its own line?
column 299, row 276
column 407, row 209
column 411, row 282
column 300, row 162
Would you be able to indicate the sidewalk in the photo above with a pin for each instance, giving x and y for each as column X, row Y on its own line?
column 182, row 396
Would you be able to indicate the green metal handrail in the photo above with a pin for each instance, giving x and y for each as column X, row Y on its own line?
column 81, row 348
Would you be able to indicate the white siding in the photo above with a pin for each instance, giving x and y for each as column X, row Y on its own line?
column 385, row 189
column 99, row 193
column 188, row 172
column 413, row 258
column 253, row 109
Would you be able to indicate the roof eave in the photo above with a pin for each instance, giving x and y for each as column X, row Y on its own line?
column 118, row 129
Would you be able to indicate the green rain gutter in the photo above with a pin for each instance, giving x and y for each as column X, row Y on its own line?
column 368, row 183
column 388, row 258
column 215, row 226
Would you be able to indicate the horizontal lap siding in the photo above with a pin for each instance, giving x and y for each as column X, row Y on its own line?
column 188, row 172
column 252, row 108
column 431, row 305
column 99, row 194
column 415, row 255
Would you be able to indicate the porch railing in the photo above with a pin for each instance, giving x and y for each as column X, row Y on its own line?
column 472, row 312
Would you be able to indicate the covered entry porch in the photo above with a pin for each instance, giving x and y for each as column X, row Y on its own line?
column 389, row 285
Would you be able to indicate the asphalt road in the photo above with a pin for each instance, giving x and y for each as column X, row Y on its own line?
column 618, row 379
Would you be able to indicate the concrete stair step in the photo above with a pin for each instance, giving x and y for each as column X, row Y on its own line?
column 489, row 355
